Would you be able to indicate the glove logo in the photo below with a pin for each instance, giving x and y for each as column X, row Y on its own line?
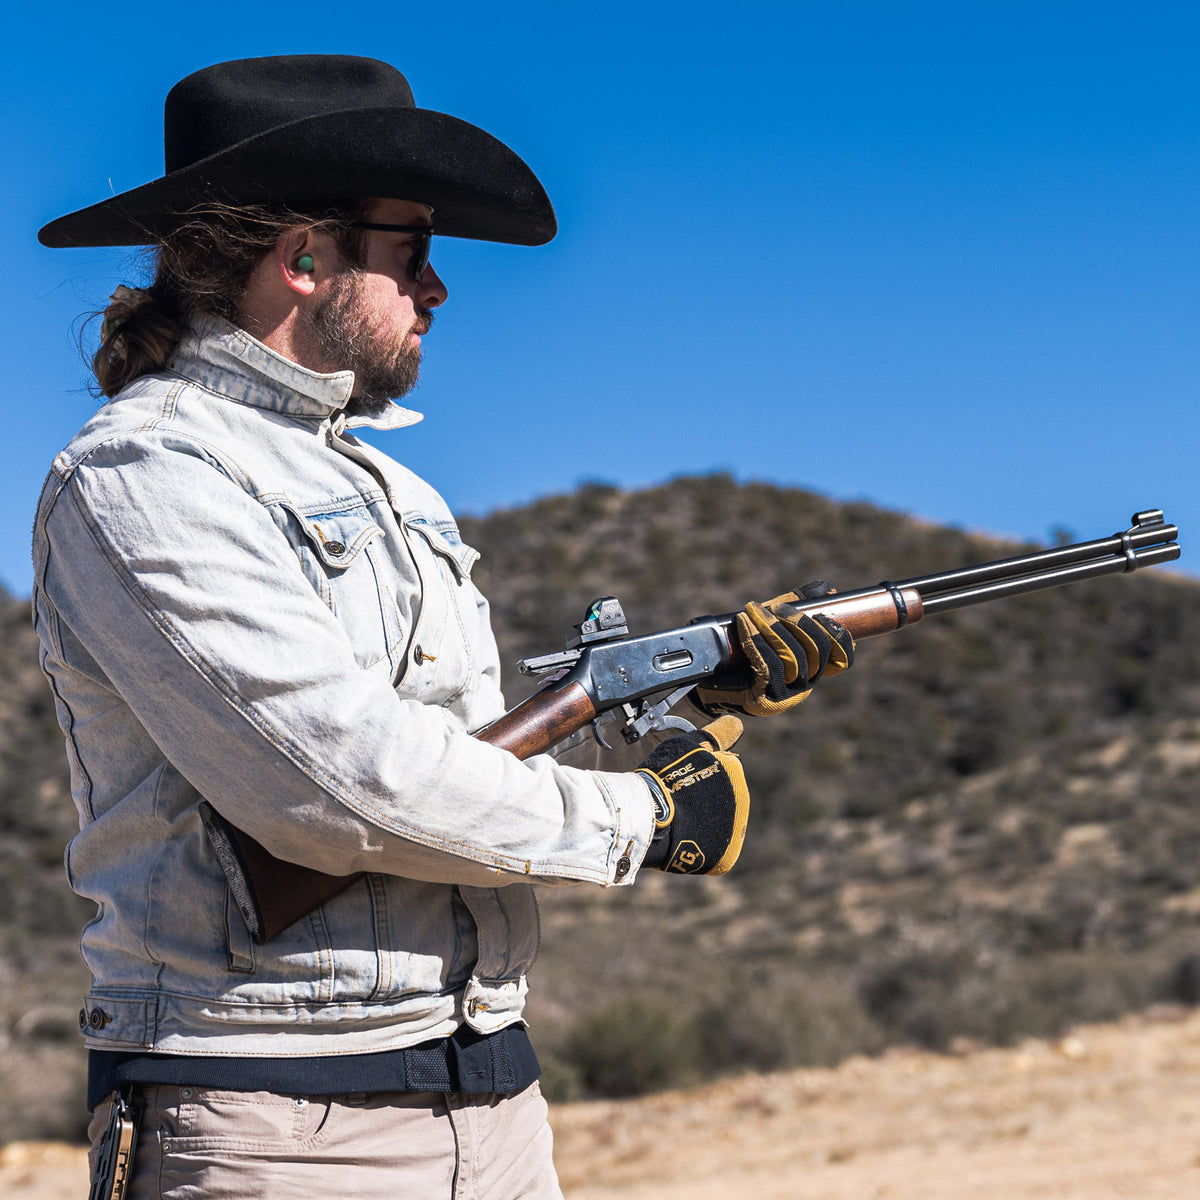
column 687, row 859
column 690, row 773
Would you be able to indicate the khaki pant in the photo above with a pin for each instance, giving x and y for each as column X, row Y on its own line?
column 208, row 1144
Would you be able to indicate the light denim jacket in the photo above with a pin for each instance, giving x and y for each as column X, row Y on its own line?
column 239, row 601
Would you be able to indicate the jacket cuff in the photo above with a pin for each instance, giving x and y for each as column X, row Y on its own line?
column 634, row 804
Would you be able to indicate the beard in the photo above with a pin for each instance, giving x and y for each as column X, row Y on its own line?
column 348, row 332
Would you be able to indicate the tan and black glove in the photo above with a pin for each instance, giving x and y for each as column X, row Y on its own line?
column 787, row 652
column 702, row 803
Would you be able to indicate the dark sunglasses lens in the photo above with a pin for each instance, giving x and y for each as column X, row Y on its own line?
column 420, row 257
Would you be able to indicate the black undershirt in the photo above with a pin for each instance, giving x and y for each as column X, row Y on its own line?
column 466, row 1063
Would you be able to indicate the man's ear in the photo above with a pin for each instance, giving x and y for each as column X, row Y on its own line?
column 297, row 260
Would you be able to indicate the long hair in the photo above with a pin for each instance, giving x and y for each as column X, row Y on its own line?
column 203, row 265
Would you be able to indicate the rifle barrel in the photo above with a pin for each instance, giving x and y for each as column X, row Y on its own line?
column 1148, row 541
column 1135, row 538
column 1037, row 581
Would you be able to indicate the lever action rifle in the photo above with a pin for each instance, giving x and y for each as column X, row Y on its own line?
column 605, row 673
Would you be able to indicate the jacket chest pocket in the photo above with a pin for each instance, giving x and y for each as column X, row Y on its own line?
column 341, row 555
column 447, row 632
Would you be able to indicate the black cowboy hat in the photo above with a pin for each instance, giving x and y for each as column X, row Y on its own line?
column 305, row 128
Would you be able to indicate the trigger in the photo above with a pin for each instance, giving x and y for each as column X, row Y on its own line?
column 597, row 732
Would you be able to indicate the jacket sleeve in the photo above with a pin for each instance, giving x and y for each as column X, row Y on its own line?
column 184, row 593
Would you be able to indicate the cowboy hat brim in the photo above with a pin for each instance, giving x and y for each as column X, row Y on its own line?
column 477, row 187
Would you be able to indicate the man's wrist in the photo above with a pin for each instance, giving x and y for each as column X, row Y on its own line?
column 659, row 848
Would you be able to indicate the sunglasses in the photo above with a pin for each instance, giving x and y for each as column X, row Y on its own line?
column 420, row 243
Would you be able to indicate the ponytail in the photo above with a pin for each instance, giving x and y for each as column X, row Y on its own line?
column 138, row 335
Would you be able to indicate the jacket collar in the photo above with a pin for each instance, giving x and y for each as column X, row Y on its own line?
column 228, row 361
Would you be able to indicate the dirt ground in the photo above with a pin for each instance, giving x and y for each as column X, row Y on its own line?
column 1111, row 1111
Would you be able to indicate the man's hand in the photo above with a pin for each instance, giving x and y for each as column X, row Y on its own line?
column 787, row 652
column 701, row 800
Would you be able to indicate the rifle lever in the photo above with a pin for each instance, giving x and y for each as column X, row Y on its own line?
column 648, row 718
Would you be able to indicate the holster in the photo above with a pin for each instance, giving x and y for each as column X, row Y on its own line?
column 269, row 893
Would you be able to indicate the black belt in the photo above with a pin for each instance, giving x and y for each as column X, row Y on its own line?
column 466, row 1063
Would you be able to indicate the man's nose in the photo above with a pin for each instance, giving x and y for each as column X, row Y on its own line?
column 431, row 291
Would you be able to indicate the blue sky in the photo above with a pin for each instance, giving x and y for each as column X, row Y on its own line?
column 938, row 256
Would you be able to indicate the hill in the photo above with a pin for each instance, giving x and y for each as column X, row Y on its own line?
column 985, row 831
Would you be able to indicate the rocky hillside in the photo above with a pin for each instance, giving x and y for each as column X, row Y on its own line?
column 986, row 830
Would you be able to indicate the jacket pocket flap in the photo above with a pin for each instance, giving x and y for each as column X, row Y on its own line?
column 444, row 539
column 338, row 537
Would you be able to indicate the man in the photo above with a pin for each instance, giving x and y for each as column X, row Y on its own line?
column 245, row 609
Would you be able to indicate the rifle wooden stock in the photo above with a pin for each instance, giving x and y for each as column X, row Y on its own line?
column 273, row 894
column 541, row 720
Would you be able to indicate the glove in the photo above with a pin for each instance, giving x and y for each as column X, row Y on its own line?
column 787, row 652
column 701, row 801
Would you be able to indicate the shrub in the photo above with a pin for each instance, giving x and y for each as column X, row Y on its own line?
column 635, row 1045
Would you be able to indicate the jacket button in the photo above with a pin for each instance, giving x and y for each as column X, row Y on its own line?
column 418, row 655
column 337, row 549
column 624, row 866
column 83, row 1021
column 98, row 1018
